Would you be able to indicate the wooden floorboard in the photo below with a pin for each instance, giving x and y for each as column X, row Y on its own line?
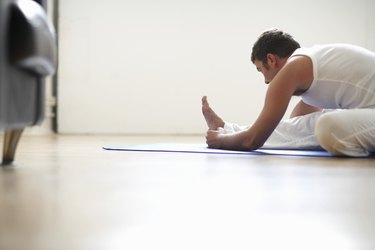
column 66, row 192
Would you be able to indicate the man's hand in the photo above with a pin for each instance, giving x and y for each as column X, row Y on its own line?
column 214, row 138
column 233, row 141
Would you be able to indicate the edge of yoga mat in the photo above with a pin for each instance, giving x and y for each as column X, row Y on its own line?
column 203, row 149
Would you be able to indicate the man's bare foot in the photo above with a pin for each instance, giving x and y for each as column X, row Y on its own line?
column 212, row 119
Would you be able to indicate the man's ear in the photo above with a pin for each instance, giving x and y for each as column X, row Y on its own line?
column 271, row 60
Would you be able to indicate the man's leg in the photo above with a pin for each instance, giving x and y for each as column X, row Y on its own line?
column 347, row 132
column 293, row 133
column 296, row 132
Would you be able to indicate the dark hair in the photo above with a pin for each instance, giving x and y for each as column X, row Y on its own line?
column 275, row 42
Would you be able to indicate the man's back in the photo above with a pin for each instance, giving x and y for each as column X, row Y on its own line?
column 344, row 76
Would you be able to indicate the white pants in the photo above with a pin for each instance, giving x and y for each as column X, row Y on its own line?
column 341, row 132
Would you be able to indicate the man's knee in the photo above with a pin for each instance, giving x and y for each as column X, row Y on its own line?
column 325, row 132
column 338, row 135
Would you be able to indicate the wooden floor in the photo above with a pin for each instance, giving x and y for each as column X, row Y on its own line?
column 65, row 192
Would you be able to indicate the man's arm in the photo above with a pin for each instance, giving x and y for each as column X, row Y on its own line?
column 276, row 102
column 294, row 77
column 303, row 109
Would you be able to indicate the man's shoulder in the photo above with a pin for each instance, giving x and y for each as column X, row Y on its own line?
column 301, row 67
column 299, row 61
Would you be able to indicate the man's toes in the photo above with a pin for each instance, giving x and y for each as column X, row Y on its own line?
column 204, row 100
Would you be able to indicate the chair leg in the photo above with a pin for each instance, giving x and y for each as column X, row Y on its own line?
column 11, row 138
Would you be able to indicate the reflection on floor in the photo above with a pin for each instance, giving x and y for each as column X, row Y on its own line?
column 65, row 192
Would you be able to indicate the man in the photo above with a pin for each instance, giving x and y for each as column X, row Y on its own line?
column 336, row 84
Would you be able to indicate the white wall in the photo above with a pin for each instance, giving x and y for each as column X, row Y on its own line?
column 141, row 66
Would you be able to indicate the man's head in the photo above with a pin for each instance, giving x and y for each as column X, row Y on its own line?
column 271, row 47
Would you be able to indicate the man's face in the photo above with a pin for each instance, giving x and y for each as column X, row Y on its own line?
column 268, row 70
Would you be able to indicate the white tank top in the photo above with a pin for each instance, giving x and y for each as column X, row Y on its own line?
column 344, row 76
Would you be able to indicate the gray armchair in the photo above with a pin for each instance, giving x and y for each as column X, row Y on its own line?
column 27, row 56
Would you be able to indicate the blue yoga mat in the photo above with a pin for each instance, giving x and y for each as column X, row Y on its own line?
column 203, row 149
